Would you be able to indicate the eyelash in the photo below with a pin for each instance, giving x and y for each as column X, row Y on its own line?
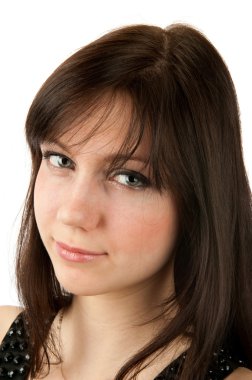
column 144, row 181
column 48, row 154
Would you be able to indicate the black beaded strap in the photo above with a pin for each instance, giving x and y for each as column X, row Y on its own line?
column 172, row 371
column 223, row 364
column 14, row 356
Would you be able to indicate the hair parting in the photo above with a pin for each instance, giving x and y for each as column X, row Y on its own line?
column 182, row 95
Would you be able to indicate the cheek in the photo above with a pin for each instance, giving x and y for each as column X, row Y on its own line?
column 45, row 200
column 150, row 229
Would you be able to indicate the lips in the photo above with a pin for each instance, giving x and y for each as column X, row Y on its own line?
column 75, row 254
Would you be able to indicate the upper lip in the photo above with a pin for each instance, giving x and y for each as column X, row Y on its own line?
column 78, row 250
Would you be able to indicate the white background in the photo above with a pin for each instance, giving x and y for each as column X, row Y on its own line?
column 37, row 35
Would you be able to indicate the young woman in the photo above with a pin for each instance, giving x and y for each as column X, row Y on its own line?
column 134, row 255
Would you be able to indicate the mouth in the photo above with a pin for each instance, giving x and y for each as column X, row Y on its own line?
column 76, row 254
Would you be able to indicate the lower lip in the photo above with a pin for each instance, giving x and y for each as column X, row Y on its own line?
column 76, row 256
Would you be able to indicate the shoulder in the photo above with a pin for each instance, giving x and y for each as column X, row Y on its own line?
column 7, row 316
column 240, row 373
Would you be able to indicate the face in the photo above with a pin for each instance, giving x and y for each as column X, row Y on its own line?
column 105, row 232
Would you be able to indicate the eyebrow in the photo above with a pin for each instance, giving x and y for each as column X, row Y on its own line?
column 108, row 158
column 125, row 157
column 58, row 143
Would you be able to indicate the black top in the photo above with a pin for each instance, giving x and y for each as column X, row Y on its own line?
column 14, row 358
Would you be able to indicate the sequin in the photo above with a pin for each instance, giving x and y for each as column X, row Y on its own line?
column 22, row 370
column 11, row 332
column 4, row 346
column 27, row 357
column 15, row 358
column 23, row 346
column 11, row 374
column 19, row 332
column 13, row 353
column 3, row 371
column 13, row 344
column 8, row 357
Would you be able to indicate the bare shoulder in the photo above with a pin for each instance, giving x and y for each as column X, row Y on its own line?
column 240, row 373
column 7, row 316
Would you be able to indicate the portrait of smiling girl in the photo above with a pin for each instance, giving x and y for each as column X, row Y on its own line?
column 134, row 255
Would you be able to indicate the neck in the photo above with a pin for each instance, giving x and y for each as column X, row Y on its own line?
column 112, row 327
column 122, row 309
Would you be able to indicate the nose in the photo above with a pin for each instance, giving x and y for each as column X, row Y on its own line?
column 81, row 206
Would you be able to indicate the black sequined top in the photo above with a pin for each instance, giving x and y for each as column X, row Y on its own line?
column 15, row 358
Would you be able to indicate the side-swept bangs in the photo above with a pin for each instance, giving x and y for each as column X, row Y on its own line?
column 183, row 98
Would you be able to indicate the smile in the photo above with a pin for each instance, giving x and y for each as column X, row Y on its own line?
column 77, row 254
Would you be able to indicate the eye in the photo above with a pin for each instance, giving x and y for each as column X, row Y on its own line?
column 131, row 179
column 58, row 160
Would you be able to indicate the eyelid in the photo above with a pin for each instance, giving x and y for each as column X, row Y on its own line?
column 142, row 178
column 46, row 154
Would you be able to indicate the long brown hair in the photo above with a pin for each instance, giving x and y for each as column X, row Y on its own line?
column 181, row 90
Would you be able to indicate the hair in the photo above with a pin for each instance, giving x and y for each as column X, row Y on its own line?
column 183, row 95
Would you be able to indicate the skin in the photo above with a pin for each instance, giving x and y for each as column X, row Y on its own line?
column 136, row 227
column 82, row 205
column 79, row 203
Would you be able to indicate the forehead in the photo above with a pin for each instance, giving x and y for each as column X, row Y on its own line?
column 109, row 127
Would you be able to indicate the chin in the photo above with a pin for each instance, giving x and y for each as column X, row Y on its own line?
column 80, row 284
